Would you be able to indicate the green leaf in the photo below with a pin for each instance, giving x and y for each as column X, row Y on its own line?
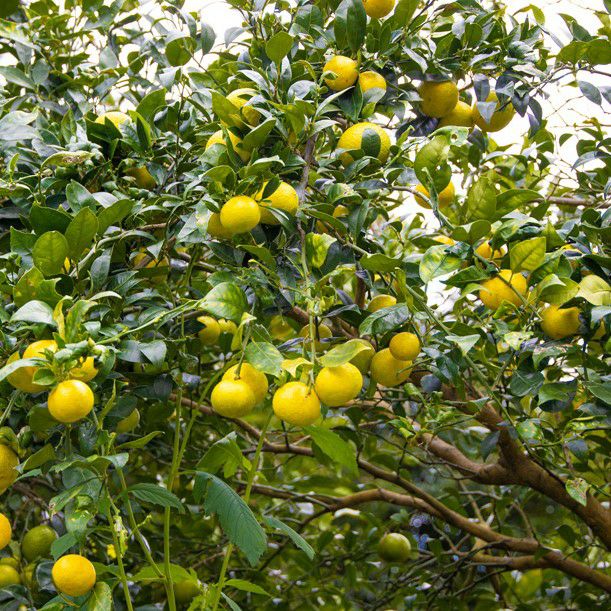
column 225, row 300
column 33, row 286
column 15, row 365
column 438, row 262
column 278, row 46
column 81, row 232
column 79, row 197
column 179, row 49
column 155, row 495
column 236, row 518
column 246, row 586
column 50, row 252
column 338, row 450
column 35, row 311
column 225, row 454
column 257, row 136
column 114, row 214
column 177, row 574
column 150, row 103
column 101, row 598
column 140, row 442
column 578, row 490
column 350, row 24
column 595, row 290
column 293, row 535
column 264, row 356
column 557, row 291
column 527, row 255
column 39, row 458
column 384, row 320
column 481, row 199
column 45, row 219
column 431, row 163
column 379, row 263
column 66, row 159
column 344, row 353
column 464, row 342
column 317, row 246
column 601, row 391
column 403, row 13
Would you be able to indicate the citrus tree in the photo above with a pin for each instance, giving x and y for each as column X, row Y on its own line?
column 312, row 314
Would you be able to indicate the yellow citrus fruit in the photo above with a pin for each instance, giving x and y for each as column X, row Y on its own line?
column 496, row 290
column 485, row 251
column 387, row 370
column 8, row 462
column 445, row 239
column 405, row 346
column 10, row 561
column 240, row 214
column 86, row 371
column 394, row 547
column 296, row 404
column 70, row 401
column 280, row 328
column 284, row 198
column 439, row 98
column 211, row 331
column 37, row 350
column 362, row 360
column 337, row 386
column 460, row 116
column 37, row 542
column 444, row 198
column 216, row 228
column 345, row 70
column 73, row 575
column 21, row 378
column 232, row 398
column 381, row 301
column 371, row 80
column 378, row 8
column 240, row 98
column 8, row 576
column 116, row 117
column 227, row 326
column 185, row 591
column 236, row 143
column 256, row 380
column 559, row 323
column 500, row 118
column 323, row 333
column 129, row 423
column 144, row 179
column 5, row 531
column 370, row 139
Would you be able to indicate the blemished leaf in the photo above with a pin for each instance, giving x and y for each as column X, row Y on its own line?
column 338, row 450
column 343, row 353
column 317, row 246
column 155, row 495
column 33, row 286
column 278, row 46
column 225, row 300
column 527, row 255
column 578, row 490
column 293, row 535
column 379, row 263
column 237, row 519
column 50, row 252
column 264, row 356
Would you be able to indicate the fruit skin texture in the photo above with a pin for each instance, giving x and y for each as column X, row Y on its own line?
column 5, row 531
column 73, row 575
column 186, row 590
column 296, row 404
column 240, row 214
column 8, row 462
column 337, row 386
column 284, row 197
column 460, row 116
column 438, row 98
column 21, row 379
column 256, row 380
column 280, row 329
column 371, row 80
column 129, row 423
column 86, row 371
column 211, row 332
column 232, row 398
column 499, row 119
column 239, row 98
column 363, row 359
column 216, row 229
column 559, row 323
column 37, row 542
column 116, row 117
column 36, row 350
column 381, row 301
column 236, row 143
column 8, row 576
column 495, row 290
column 70, row 401
column 394, row 547
column 485, row 251
column 346, row 71
column 378, row 8
column 367, row 137
column 405, row 346
column 143, row 177
column 444, row 198
column 387, row 370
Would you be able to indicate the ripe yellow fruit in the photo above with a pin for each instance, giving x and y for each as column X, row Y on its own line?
column 371, row 80
column 216, row 229
column 8, row 576
column 236, row 143
column 144, row 179
column 345, row 70
column 186, row 590
column 21, row 379
column 5, row 531
column 444, row 198
column 496, row 290
column 232, row 398
column 10, row 561
column 394, row 547
column 460, row 116
column 70, row 401
column 280, row 328
column 337, row 386
column 485, row 251
column 389, row 371
column 227, row 326
column 211, row 331
column 256, row 380
column 405, row 346
column 8, row 462
column 445, row 239
column 116, row 117
column 36, row 350
column 500, row 118
column 37, row 542
column 240, row 98
column 297, row 404
column 439, row 98
column 559, row 323
column 73, row 575
column 240, row 214
column 129, row 423
column 284, row 198
column 378, row 8
column 362, row 360
column 366, row 137
column 323, row 333
column 381, row 301
column 86, row 371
